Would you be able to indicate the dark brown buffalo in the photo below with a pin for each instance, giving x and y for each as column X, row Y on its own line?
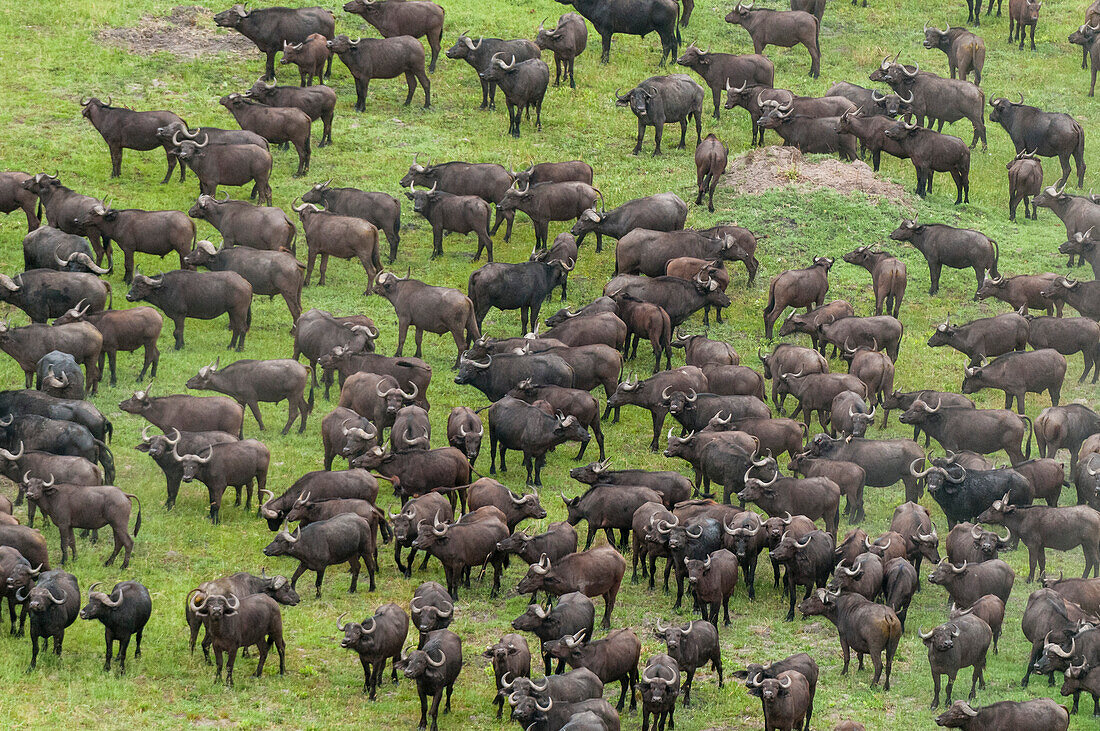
column 721, row 70
column 710, row 163
column 460, row 546
column 186, row 413
column 871, row 133
column 377, row 639
column 888, row 277
column 595, row 572
column 988, row 336
column 201, row 295
column 318, row 102
column 965, row 51
column 274, row 124
column 269, row 28
column 797, row 288
column 126, row 330
column 660, row 212
column 1025, row 181
column 863, row 626
column 615, row 657
column 524, row 84
column 14, row 197
column 1039, row 526
column 344, row 237
column 516, row 508
column 651, row 16
column 86, row 506
column 660, row 100
column 317, row 333
column 1065, row 427
column 567, row 40
column 46, row 293
column 149, row 232
column 550, row 201
column 480, row 56
column 936, row 98
column 956, row 248
column 380, row 209
column 63, row 207
column 252, row 381
column 569, row 401
column 123, row 128
column 426, row 308
column 234, row 164
column 1019, row 373
column 510, row 657
column 1042, row 713
column 1021, row 292
column 242, row 224
column 933, row 152
column 450, row 213
column 875, row 369
column 690, row 267
column 809, row 133
column 414, row 18
column 1067, row 335
column 269, row 272
column 1081, row 296
column 1023, row 14
column 959, row 643
column 559, row 540
column 787, row 359
column 382, row 58
column 487, row 181
column 989, row 609
column 27, row 345
column 309, row 56
column 783, row 28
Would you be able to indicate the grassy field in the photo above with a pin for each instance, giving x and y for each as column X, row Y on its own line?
column 54, row 54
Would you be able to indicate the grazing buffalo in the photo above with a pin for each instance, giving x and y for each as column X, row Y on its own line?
column 932, row 152
column 663, row 99
column 124, row 128
column 1047, row 134
column 567, row 40
column 276, row 124
column 660, row 212
column 1042, row 713
column 1023, row 292
column 270, row 28
column 636, row 19
column 783, row 28
column 401, row 18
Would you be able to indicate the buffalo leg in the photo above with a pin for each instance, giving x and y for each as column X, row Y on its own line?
column 658, row 133
column 323, row 269
column 605, row 43
column 177, row 333
column 641, row 136
column 116, row 161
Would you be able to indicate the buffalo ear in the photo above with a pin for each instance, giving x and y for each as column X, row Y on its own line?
column 741, row 674
column 487, row 653
column 111, row 215
column 918, row 228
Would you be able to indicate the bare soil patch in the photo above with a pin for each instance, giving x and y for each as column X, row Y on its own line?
column 188, row 31
column 763, row 169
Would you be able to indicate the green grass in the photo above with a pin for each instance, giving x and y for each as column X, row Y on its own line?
column 53, row 58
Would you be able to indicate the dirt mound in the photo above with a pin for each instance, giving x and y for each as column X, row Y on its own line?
column 187, row 32
column 762, row 169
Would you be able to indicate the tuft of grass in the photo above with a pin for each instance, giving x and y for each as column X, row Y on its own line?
column 56, row 58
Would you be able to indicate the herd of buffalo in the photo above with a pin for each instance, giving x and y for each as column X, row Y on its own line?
column 544, row 387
